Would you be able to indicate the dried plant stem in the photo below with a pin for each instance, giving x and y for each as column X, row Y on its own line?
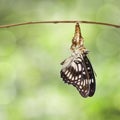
column 55, row 22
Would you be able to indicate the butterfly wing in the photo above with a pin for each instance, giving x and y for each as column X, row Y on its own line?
column 91, row 75
column 76, row 73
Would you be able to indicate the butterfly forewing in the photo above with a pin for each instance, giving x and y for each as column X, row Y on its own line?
column 82, row 83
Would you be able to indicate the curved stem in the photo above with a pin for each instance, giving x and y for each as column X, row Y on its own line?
column 55, row 22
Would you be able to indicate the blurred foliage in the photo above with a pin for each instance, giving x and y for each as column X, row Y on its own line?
column 30, row 56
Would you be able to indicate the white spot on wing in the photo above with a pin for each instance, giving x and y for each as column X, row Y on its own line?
column 79, row 59
column 88, row 68
column 85, row 91
column 81, row 82
column 79, row 76
column 75, row 81
column 66, row 71
column 73, row 65
column 79, row 67
column 78, row 83
column 70, row 77
column 89, row 81
column 76, row 78
column 80, row 87
column 68, row 74
column 86, row 81
column 84, row 73
column 92, row 80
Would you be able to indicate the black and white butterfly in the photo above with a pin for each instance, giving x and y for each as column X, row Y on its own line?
column 77, row 70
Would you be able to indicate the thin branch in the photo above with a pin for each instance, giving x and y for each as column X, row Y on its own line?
column 55, row 22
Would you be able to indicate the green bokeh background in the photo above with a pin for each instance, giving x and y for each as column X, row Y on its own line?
column 30, row 56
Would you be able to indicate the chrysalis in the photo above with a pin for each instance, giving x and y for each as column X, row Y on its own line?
column 77, row 69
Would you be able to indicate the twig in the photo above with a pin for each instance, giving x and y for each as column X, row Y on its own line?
column 55, row 22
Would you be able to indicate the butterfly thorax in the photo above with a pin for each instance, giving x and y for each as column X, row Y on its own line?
column 80, row 50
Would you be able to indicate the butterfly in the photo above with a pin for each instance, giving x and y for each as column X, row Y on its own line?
column 77, row 69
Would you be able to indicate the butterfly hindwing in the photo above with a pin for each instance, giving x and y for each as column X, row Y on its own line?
column 91, row 76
